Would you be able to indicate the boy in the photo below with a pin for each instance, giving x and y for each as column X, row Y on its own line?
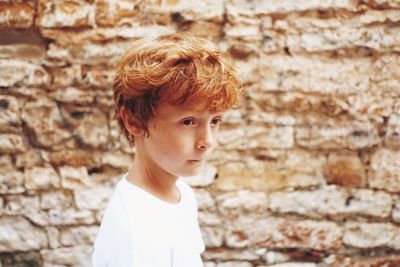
column 170, row 92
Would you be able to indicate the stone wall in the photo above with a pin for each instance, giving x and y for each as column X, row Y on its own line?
column 308, row 168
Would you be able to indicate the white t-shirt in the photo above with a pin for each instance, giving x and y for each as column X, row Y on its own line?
column 140, row 230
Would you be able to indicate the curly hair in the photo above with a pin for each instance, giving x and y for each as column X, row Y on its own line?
column 175, row 68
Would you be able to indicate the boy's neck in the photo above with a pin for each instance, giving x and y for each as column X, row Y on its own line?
column 154, row 180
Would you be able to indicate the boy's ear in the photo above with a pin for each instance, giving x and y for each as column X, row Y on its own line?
column 130, row 123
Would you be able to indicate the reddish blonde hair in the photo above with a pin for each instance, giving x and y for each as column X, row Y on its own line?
column 175, row 68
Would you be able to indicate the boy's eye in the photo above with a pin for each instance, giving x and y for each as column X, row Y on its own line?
column 216, row 121
column 187, row 122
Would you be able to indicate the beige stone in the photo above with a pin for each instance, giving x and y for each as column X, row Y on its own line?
column 10, row 120
column 332, row 201
column 314, row 73
column 64, row 13
column 92, row 199
column 237, row 203
column 34, row 53
column 345, row 170
column 111, row 13
column 396, row 212
column 11, row 182
column 116, row 159
column 80, row 235
column 38, row 76
column 73, row 157
column 93, row 130
column 43, row 118
column 30, row 158
column 212, row 236
column 191, row 10
column 392, row 136
column 234, row 264
column 90, row 53
column 261, row 176
column 226, row 254
column 209, row 219
column 17, row 204
column 287, row 233
column 13, row 71
column 78, row 256
column 74, row 95
column 371, row 235
column 61, row 216
column 74, row 177
column 37, row 178
column 205, row 177
column 270, row 6
column 357, row 136
column 99, row 77
column 17, row 233
column 55, row 199
column 204, row 200
column 385, row 170
column 12, row 143
column 66, row 76
column 79, row 36
column 17, row 15
column 53, row 235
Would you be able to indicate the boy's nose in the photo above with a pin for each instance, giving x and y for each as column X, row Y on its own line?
column 205, row 139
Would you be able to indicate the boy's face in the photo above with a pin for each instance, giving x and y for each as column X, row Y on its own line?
column 180, row 139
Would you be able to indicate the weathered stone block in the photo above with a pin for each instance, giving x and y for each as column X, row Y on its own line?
column 33, row 53
column 205, row 177
column 371, row 235
column 93, row 199
column 17, row 15
column 345, row 170
column 70, row 216
column 74, row 177
column 43, row 118
column 385, row 173
column 64, row 13
column 18, row 204
column 81, row 235
column 332, row 201
column 94, row 130
column 261, row 176
column 53, row 235
column 237, row 203
column 73, row 157
column 227, row 254
column 286, row 233
column 260, row 7
column 356, row 136
column 212, row 236
column 10, row 119
column 37, row 178
column 88, row 53
column 18, row 234
column 11, row 182
column 12, row 143
column 111, row 13
column 204, row 200
column 392, row 136
column 314, row 74
column 78, row 256
column 14, row 71
column 55, row 199
column 209, row 219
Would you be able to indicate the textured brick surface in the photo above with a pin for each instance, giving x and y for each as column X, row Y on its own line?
column 307, row 168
